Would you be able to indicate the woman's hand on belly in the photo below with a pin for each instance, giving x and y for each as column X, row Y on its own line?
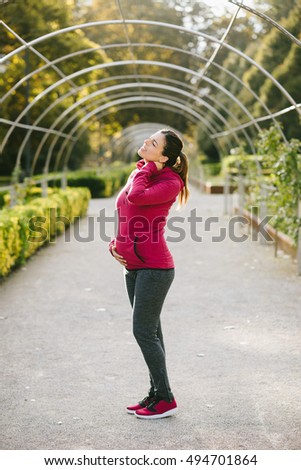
column 118, row 257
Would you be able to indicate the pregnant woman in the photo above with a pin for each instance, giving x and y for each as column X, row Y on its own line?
column 140, row 247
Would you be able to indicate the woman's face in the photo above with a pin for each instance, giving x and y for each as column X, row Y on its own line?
column 152, row 149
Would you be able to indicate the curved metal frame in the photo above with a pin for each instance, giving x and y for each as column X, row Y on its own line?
column 36, row 128
column 124, row 86
column 266, row 18
column 114, row 64
column 153, row 23
column 134, row 62
column 149, row 98
column 162, row 46
column 133, row 106
column 114, row 78
column 137, row 99
column 94, row 103
column 122, row 63
column 225, row 109
column 99, row 92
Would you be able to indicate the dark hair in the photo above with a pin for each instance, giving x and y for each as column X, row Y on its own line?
column 177, row 159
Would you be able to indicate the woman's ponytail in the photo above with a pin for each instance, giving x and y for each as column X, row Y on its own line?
column 181, row 167
column 177, row 160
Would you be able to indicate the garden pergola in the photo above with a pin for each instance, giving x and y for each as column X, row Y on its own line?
column 140, row 90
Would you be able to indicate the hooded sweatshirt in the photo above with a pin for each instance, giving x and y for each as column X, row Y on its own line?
column 143, row 206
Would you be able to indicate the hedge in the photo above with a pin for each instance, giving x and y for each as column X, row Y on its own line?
column 24, row 228
column 101, row 185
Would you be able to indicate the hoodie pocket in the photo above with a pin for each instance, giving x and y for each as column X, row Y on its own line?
column 135, row 249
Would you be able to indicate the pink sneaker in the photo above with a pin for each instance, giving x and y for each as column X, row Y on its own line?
column 157, row 409
column 140, row 405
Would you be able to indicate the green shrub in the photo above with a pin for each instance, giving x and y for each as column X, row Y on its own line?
column 272, row 178
column 212, row 169
column 104, row 184
column 4, row 198
column 24, row 228
column 96, row 184
column 10, row 241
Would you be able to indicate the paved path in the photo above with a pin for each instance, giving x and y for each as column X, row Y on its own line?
column 70, row 365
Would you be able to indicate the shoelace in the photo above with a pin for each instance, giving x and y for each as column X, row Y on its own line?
column 153, row 402
column 146, row 401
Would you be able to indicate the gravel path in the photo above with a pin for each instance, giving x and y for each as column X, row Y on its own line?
column 232, row 323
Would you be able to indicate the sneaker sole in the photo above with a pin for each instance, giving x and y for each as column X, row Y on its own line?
column 131, row 412
column 158, row 416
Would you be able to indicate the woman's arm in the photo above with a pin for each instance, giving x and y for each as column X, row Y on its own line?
column 164, row 191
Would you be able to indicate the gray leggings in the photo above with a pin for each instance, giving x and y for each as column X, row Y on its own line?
column 147, row 289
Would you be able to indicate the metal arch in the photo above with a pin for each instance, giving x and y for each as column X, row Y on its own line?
column 156, row 23
column 145, row 127
column 159, row 46
column 127, row 100
column 209, row 97
column 268, row 20
column 53, row 62
column 49, row 155
column 32, row 49
column 119, row 108
column 162, row 46
column 118, row 63
column 166, row 99
column 129, row 106
column 93, row 104
column 101, row 100
column 54, row 103
column 128, row 42
column 61, row 98
column 114, row 78
column 104, row 91
column 89, row 24
column 36, row 128
column 124, row 86
column 214, row 40
column 216, row 51
column 261, row 119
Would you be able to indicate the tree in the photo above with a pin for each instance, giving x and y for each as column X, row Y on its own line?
column 273, row 51
column 31, row 19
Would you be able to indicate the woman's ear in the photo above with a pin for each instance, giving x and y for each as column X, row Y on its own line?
column 163, row 159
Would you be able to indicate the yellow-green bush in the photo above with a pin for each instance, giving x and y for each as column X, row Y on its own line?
column 24, row 228
column 10, row 242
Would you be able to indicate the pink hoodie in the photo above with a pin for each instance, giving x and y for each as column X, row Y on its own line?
column 143, row 206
